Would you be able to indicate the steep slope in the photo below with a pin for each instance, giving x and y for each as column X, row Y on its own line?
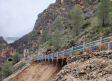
column 3, row 43
column 92, row 66
column 37, row 72
column 44, row 21
column 9, row 50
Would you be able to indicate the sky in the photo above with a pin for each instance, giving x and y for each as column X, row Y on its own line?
column 17, row 17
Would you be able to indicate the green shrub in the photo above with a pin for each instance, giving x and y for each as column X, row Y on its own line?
column 65, row 32
column 7, row 69
column 56, row 41
column 87, row 17
column 1, row 46
column 20, row 66
column 58, row 23
column 110, row 24
column 20, row 51
column 30, row 35
column 91, row 2
column 107, row 31
column 84, row 11
column 50, row 43
column 35, row 48
column 91, row 32
column 85, row 32
column 72, row 42
column 15, row 58
column 86, row 24
column 44, row 37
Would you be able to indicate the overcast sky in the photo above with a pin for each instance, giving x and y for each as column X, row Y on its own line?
column 17, row 17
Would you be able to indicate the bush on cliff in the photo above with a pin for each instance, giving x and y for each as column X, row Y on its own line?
column 15, row 58
column 75, row 17
column 58, row 23
column 7, row 69
column 44, row 37
column 56, row 41
column 20, row 66
column 103, row 12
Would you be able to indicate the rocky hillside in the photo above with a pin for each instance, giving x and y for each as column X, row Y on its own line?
column 43, row 22
column 3, row 43
column 10, row 49
column 93, row 66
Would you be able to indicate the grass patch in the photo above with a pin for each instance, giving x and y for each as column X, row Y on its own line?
column 20, row 66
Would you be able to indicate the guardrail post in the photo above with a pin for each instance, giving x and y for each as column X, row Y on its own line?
column 40, row 58
column 83, row 47
column 63, row 54
column 72, row 51
column 57, row 56
column 48, row 58
column 37, row 58
column 45, row 58
column 100, row 42
column 108, row 45
column 52, row 58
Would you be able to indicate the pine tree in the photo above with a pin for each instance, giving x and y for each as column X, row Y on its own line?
column 75, row 17
column 86, row 3
column 44, row 36
column 49, row 36
column 103, row 11
column 6, row 69
column 56, row 41
column 15, row 58
column 58, row 23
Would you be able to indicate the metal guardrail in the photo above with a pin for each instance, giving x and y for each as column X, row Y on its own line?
column 107, row 40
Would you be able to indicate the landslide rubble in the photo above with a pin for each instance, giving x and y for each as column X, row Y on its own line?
column 93, row 66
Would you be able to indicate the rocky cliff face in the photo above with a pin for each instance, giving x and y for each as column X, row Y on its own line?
column 59, row 8
column 9, row 50
column 2, row 41
column 44, row 21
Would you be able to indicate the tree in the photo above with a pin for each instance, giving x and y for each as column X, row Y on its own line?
column 15, row 58
column 56, row 41
column 20, row 51
column 49, row 36
column 30, row 35
column 58, row 23
column 86, row 3
column 103, row 11
column 6, row 69
column 44, row 36
column 75, row 17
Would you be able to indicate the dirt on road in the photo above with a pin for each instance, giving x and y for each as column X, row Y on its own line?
column 38, row 72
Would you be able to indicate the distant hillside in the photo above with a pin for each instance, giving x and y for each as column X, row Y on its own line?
column 2, row 43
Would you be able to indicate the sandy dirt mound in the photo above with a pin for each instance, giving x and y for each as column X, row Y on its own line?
column 38, row 72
